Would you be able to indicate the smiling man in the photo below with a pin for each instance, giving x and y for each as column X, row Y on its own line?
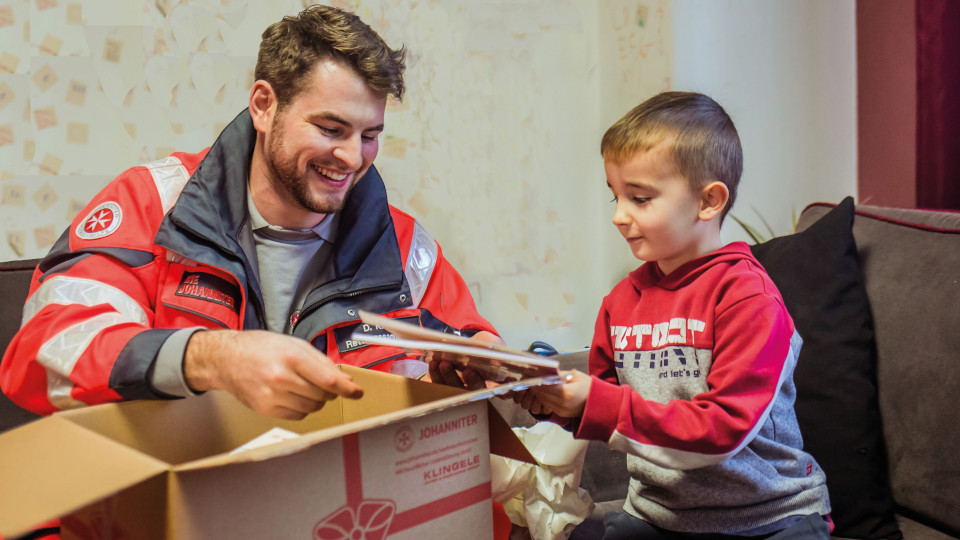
column 243, row 267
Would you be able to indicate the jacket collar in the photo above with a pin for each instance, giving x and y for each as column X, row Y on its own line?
column 211, row 216
column 211, row 210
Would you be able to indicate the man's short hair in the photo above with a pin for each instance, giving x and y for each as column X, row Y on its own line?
column 701, row 137
column 290, row 49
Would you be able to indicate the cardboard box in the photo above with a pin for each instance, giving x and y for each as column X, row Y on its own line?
column 408, row 460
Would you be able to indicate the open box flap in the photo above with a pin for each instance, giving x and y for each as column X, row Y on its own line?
column 503, row 441
column 51, row 467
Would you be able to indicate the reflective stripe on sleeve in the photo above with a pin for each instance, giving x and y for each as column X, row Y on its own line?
column 58, row 392
column 421, row 260
column 170, row 176
column 60, row 353
column 86, row 292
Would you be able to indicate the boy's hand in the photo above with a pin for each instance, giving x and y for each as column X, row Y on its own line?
column 567, row 399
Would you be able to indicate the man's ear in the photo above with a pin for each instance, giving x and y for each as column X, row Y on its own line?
column 263, row 105
column 713, row 199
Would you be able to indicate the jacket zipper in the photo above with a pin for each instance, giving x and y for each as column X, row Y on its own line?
column 316, row 305
column 382, row 360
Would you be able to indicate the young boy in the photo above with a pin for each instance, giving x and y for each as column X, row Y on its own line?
column 691, row 367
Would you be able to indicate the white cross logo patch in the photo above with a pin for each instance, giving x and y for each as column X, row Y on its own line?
column 101, row 221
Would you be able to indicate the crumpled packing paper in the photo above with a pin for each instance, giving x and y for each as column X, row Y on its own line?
column 547, row 499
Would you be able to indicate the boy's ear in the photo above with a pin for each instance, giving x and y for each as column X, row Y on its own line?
column 262, row 104
column 713, row 199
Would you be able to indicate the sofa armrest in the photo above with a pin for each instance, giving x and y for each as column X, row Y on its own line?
column 14, row 285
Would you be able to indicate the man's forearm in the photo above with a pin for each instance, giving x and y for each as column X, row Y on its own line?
column 201, row 358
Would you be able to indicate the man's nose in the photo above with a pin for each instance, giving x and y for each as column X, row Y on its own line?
column 350, row 152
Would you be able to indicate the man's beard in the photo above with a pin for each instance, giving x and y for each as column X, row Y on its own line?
column 288, row 178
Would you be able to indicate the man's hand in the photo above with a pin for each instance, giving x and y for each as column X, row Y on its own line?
column 444, row 372
column 528, row 400
column 567, row 399
column 273, row 374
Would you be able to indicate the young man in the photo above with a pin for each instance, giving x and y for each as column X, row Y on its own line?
column 691, row 367
column 242, row 267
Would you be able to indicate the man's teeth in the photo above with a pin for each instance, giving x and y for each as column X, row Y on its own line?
column 330, row 174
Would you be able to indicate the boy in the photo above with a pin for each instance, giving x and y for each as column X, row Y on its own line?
column 693, row 353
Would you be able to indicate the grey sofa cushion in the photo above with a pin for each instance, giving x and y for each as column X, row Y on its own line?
column 14, row 285
column 911, row 265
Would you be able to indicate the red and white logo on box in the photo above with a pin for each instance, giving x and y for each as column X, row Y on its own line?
column 376, row 519
column 403, row 438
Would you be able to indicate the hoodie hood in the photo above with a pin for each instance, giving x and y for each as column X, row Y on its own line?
column 649, row 274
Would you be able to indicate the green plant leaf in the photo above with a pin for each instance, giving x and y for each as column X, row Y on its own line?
column 751, row 231
column 765, row 224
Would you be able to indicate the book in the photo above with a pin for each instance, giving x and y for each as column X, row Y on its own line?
column 493, row 361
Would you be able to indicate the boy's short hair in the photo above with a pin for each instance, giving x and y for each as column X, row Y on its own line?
column 290, row 49
column 701, row 136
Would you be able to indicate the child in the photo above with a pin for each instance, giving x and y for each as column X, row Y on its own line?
column 691, row 367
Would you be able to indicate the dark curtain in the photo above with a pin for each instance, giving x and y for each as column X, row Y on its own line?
column 938, row 104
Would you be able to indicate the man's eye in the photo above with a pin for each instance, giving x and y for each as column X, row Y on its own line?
column 369, row 138
column 328, row 130
column 641, row 200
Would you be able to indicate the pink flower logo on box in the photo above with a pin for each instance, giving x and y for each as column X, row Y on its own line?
column 369, row 521
column 374, row 519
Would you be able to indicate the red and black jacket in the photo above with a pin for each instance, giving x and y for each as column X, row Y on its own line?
column 159, row 249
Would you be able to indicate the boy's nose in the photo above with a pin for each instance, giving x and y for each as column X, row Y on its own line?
column 620, row 216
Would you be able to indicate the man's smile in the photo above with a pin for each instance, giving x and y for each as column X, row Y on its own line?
column 332, row 175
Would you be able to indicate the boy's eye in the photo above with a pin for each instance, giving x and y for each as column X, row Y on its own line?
column 636, row 200
column 368, row 138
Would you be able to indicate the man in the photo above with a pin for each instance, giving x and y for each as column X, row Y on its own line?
column 243, row 267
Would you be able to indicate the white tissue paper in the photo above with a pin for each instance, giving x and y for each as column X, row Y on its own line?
column 274, row 435
column 545, row 499
column 409, row 368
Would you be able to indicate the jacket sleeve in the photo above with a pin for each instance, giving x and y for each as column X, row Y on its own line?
column 87, row 333
column 754, row 351
column 448, row 298
column 438, row 290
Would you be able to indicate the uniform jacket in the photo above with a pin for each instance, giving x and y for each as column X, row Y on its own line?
column 159, row 249
column 694, row 381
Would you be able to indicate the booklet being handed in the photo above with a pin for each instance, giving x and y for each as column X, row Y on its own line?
column 495, row 362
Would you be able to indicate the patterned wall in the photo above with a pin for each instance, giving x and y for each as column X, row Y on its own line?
column 494, row 148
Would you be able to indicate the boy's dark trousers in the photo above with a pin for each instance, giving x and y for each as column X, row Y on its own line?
column 623, row 526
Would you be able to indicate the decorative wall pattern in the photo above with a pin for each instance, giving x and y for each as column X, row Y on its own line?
column 494, row 148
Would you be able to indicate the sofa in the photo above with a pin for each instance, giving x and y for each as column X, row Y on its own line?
column 14, row 285
column 875, row 293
